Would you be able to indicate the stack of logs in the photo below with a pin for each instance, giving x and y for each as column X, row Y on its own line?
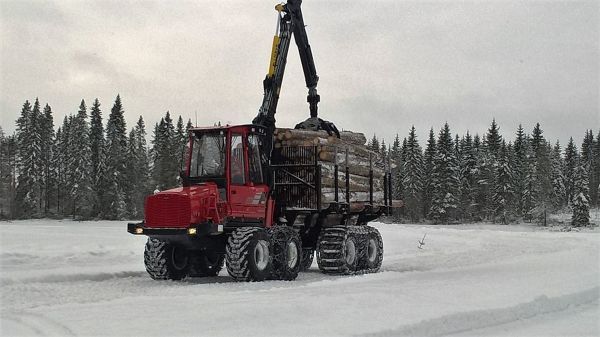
column 350, row 151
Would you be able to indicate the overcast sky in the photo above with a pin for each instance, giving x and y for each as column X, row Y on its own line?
column 383, row 65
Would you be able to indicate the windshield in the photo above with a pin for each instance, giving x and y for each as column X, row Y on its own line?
column 208, row 155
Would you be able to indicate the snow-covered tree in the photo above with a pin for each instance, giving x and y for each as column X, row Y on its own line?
column 138, row 171
column 78, row 165
column 580, row 203
column 467, row 171
column 29, row 154
column 60, row 163
column 493, row 142
column 559, row 198
column 503, row 197
column 571, row 160
column 413, row 177
column 444, row 179
column 8, row 156
column 96, row 155
column 113, row 205
column 428, row 166
column 542, row 180
column 383, row 150
column 595, row 184
column 165, row 169
column 48, row 151
column 588, row 159
column 397, row 173
column 374, row 144
column 520, row 168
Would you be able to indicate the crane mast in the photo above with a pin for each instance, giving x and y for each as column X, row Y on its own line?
column 290, row 22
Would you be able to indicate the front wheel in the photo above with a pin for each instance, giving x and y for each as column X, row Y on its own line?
column 249, row 254
column 165, row 261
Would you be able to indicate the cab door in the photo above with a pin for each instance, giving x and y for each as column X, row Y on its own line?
column 248, row 193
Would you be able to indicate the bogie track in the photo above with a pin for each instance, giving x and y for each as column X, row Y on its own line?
column 349, row 250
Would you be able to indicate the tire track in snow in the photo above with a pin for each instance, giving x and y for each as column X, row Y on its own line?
column 478, row 319
column 59, row 278
column 36, row 324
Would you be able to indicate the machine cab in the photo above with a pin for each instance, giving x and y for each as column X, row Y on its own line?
column 230, row 157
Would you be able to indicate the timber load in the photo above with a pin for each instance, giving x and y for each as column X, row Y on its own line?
column 361, row 173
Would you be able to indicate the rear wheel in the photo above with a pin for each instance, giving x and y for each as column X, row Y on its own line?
column 287, row 253
column 374, row 253
column 206, row 263
column 338, row 250
column 249, row 254
column 165, row 261
column 307, row 259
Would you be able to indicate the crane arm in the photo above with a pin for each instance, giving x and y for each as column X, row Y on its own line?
column 290, row 22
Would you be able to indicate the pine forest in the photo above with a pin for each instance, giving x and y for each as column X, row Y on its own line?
column 88, row 168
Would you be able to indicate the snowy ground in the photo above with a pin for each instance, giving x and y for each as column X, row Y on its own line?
column 87, row 278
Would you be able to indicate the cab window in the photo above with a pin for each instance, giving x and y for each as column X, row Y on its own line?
column 256, row 175
column 237, row 160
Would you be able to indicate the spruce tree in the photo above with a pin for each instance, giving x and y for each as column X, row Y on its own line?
column 571, row 160
column 485, row 172
column 413, row 177
column 595, row 185
column 503, row 196
column 78, row 176
column 543, row 188
column 558, row 180
column 113, row 205
column 138, row 171
column 7, row 175
column 165, row 170
column 520, row 168
column 428, row 166
column 374, row 144
column 588, row 159
column 397, row 170
column 444, row 179
column 181, row 135
column 48, row 152
column 468, row 184
column 493, row 141
column 96, row 156
column 580, row 203
column 26, row 202
column 63, row 197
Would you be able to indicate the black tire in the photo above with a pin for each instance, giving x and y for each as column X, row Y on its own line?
column 338, row 250
column 206, row 263
column 165, row 261
column 287, row 253
column 249, row 254
column 373, row 256
column 307, row 259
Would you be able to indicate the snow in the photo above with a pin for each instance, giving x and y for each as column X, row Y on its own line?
column 87, row 278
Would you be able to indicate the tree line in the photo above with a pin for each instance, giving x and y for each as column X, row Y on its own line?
column 86, row 169
column 490, row 178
